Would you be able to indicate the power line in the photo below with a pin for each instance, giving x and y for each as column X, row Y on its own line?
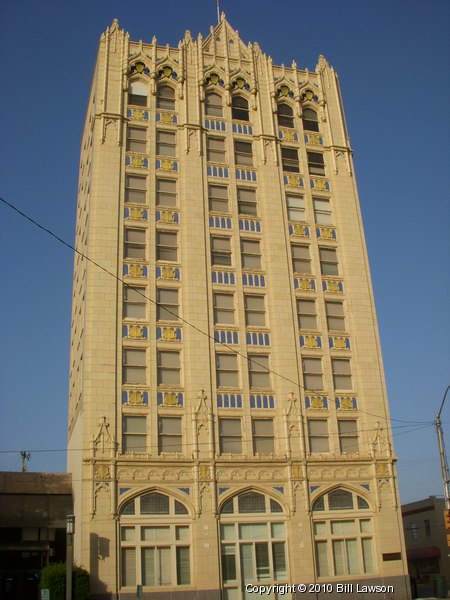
column 297, row 384
column 199, row 444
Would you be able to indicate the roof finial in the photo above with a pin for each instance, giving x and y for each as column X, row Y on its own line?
column 218, row 13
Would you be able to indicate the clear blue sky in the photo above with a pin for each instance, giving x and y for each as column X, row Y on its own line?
column 393, row 62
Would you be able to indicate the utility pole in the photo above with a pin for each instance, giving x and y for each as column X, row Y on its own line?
column 442, row 454
column 25, row 456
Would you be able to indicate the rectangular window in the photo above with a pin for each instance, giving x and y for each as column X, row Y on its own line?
column 165, row 143
column 169, row 439
column 289, row 159
column 168, row 368
column 167, row 308
column 183, row 566
column 427, row 527
column 328, row 261
column 342, row 376
column 251, row 254
column 134, row 362
column 224, row 308
column 263, row 436
column 243, row 153
column 301, row 262
column 255, row 314
column 166, row 192
column 316, row 164
column 335, row 316
column 135, row 243
column 230, row 436
column 134, row 302
column 258, row 371
column 134, row 430
column 318, row 435
column 128, row 567
column 322, row 211
column 136, row 139
column 348, row 436
column 220, row 251
column 228, row 563
column 227, row 370
column 215, row 149
column 247, row 202
column 306, row 311
column 295, row 207
column 166, row 246
column 218, row 198
column 312, row 373
column 135, row 189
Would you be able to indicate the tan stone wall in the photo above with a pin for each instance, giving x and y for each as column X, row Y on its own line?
column 291, row 474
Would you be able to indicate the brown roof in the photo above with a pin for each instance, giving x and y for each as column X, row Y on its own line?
column 12, row 482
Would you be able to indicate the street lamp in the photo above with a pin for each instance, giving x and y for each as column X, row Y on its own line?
column 70, row 530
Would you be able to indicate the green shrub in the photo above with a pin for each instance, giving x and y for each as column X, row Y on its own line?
column 53, row 577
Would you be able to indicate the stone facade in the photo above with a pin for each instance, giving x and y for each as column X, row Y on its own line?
column 228, row 419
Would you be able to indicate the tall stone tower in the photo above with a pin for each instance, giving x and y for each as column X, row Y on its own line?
column 228, row 419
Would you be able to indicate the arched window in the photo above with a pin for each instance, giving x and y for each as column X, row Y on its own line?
column 285, row 115
column 253, row 543
column 137, row 93
column 213, row 105
column 310, row 121
column 155, row 542
column 239, row 108
column 343, row 535
column 165, row 97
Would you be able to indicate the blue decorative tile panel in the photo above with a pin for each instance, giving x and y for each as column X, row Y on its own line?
column 320, row 185
column 326, row 233
column 214, row 171
column 220, row 222
column 225, row 336
column 123, row 490
column 242, row 128
column 245, row 175
column 136, row 161
column 135, row 332
column 167, row 216
column 168, row 334
column 279, row 489
column 313, row 138
column 310, row 341
column 253, row 280
column 215, row 125
column 135, row 270
column 229, row 401
column 333, row 286
column 137, row 213
column 250, row 225
column 339, row 343
column 169, row 398
column 299, row 230
column 137, row 114
column 258, row 338
column 316, row 402
column 135, row 398
column 223, row 277
column 222, row 490
column 305, row 284
column 313, row 488
column 185, row 490
column 168, row 272
column 293, row 181
column 261, row 401
column 346, row 403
